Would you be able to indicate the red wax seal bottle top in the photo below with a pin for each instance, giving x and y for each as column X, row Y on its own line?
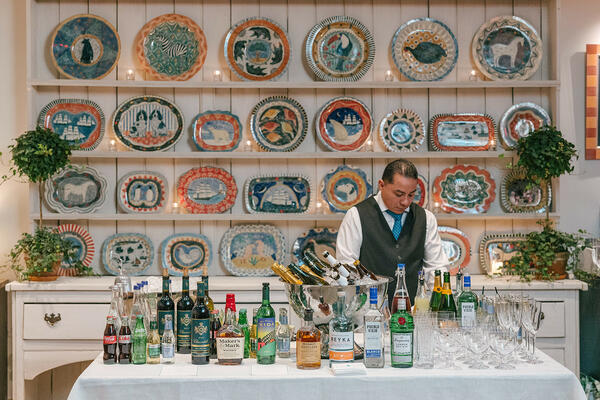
column 230, row 301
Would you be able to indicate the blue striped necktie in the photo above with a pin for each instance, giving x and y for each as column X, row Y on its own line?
column 397, row 223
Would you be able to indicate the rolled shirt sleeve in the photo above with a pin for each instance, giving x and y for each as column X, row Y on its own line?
column 434, row 257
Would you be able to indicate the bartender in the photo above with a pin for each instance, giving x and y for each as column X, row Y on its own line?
column 388, row 229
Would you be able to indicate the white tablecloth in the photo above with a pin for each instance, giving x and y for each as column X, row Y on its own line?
column 283, row 381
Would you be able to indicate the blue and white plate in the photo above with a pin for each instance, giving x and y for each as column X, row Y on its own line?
column 77, row 189
column 142, row 192
column 278, row 123
column 318, row 240
column 183, row 251
column 402, row 130
column 133, row 252
column 345, row 187
column 284, row 194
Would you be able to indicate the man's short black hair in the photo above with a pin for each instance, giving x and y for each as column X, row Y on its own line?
column 399, row 166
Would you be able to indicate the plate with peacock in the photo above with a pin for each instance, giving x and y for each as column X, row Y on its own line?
column 344, row 124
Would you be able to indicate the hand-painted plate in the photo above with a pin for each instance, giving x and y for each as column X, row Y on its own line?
column 257, row 49
column 79, row 122
column 464, row 189
column 344, row 124
column 421, row 195
column 171, row 47
column 83, row 244
column 507, row 47
column 518, row 194
column 133, row 252
column 278, row 124
column 79, row 189
column 345, row 187
column 424, row 49
column 339, row 49
column 402, row 130
column 183, row 251
column 519, row 121
column 495, row 249
column 456, row 246
column 250, row 250
column 148, row 123
column 206, row 190
column 142, row 192
column 285, row 194
column 217, row 131
column 85, row 46
column 318, row 240
column 461, row 132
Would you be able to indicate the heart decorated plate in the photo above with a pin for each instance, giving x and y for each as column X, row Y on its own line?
column 344, row 124
column 402, row 130
column 281, row 194
column 183, row 251
column 217, row 131
column 133, row 252
column 278, row 124
column 464, row 189
column 457, row 247
column 142, row 192
column 345, row 187
column 82, row 243
column 77, row 189
column 206, row 190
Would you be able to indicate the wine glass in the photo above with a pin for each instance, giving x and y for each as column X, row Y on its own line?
column 532, row 322
column 502, row 342
column 448, row 341
column 477, row 342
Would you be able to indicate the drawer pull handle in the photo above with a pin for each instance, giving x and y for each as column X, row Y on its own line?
column 52, row 318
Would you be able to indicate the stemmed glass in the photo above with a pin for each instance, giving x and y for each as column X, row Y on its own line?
column 532, row 322
column 477, row 341
column 503, row 343
column 448, row 341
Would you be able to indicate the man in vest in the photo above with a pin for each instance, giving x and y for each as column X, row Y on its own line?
column 388, row 229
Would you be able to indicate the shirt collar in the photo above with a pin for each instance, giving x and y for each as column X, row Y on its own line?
column 382, row 205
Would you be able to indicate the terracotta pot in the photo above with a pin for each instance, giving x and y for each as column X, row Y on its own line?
column 559, row 267
column 46, row 276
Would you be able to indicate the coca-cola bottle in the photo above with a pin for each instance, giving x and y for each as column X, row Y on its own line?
column 125, row 342
column 110, row 342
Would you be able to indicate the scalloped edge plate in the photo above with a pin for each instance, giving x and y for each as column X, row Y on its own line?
column 122, row 195
column 105, row 253
column 486, row 240
column 252, row 210
column 58, row 206
column 338, row 102
column 407, row 117
column 345, row 171
column 509, row 207
column 508, row 134
column 167, row 244
column 207, row 172
column 88, row 243
column 465, row 169
column 461, row 239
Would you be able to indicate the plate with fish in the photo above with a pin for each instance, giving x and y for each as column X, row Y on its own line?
column 278, row 123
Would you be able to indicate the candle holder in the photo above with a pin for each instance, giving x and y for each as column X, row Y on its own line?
column 175, row 209
column 248, row 145
column 368, row 145
column 112, row 145
column 217, row 75
column 436, row 207
column 473, row 75
column 130, row 75
column 389, row 76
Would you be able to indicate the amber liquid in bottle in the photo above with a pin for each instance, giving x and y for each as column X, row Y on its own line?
column 308, row 344
column 230, row 339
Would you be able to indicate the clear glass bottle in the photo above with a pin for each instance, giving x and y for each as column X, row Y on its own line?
column 266, row 347
column 215, row 325
column 421, row 298
column 253, row 328
column 116, row 308
column 243, row 323
column 341, row 334
column 467, row 304
column 230, row 339
column 209, row 302
column 153, row 343
column 136, row 308
column 167, row 343
column 401, row 293
column 458, row 287
column 139, row 341
column 374, row 328
column 308, row 343
column 401, row 331
column 283, row 335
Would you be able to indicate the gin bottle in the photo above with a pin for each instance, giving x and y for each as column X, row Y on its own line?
column 467, row 304
column 265, row 334
column 401, row 331
column 341, row 334
column 167, row 342
column 374, row 326
column 283, row 335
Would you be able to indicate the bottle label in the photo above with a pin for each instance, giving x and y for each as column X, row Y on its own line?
column 124, row 339
column 373, row 340
column 341, row 346
column 402, row 347
column 230, row 348
column 308, row 352
column 168, row 350
column 265, row 333
column 110, row 339
column 154, row 350
column 467, row 314
column 184, row 328
column 200, row 337
column 283, row 345
column 161, row 319
column 401, row 304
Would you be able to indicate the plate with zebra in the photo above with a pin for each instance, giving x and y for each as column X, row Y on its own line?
column 83, row 246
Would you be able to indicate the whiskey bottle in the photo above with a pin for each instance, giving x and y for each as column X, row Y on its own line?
column 436, row 294
column 208, row 301
column 401, row 333
column 401, row 293
column 165, row 305
column 243, row 323
column 253, row 339
column 373, row 323
column 283, row 335
column 200, row 337
column 447, row 305
column 467, row 304
column 184, row 316
column 230, row 339
column 167, row 342
column 265, row 332
column 308, row 343
column 341, row 334
column 421, row 298
column 153, row 343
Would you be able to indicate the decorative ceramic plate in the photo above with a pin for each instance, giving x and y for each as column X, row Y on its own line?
column 518, row 194
column 206, row 190
column 183, row 251
column 421, row 195
column 79, row 189
column 345, row 187
column 79, row 122
column 424, row 49
column 494, row 249
column 85, row 46
column 250, row 250
column 344, row 124
column 217, row 131
column 171, row 47
column 339, row 49
column 142, row 192
column 507, row 47
column 133, row 252
column 148, row 123
column 519, row 121
column 456, row 246
column 278, row 124
column 257, row 49
column 318, row 240
column 83, row 244
column 464, row 189
column 461, row 132
column 285, row 194
column 402, row 130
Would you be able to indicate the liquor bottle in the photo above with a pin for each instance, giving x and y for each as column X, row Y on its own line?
column 401, row 293
column 253, row 329
column 320, row 280
column 285, row 274
column 125, row 342
column 215, row 325
column 308, row 343
column 467, row 304
column 401, row 332
column 283, row 335
column 230, row 339
column 165, row 304
column 110, row 342
column 243, row 323
column 436, row 294
column 421, row 298
column 184, row 316
column 265, row 330
column 315, row 263
column 200, row 340
column 208, row 301
column 139, row 341
column 365, row 271
column 458, row 288
column 153, row 343
column 167, row 342
column 341, row 334
column 337, row 266
column 447, row 305
column 306, row 279
column 374, row 344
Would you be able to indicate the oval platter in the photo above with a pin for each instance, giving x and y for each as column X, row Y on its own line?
column 148, row 123
column 82, row 243
column 80, row 122
column 344, row 124
column 278, row 124
column 464, row 189
column 285, row 194
column 206, row 190
column 345, row 187
column 85, row 46
column 421, row 195
column 171, row 47
column 217, row 131
column 79, row 189
column 424, row 49
column 339, row 48
column 507, row 47
column 142, row 192
column 461, row 132
column 518, row 194
column 318, row 240
column 132, row 251
column 183, row 251
column 250, row 250
column 457, row 247
column 495, row 249
column 402, row 130
column 519, row 121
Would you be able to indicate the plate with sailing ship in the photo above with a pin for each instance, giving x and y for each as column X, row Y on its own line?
column 344, row 124
column 285, row 194
column 206, row 190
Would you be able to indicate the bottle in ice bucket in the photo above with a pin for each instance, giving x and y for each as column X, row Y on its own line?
column 401, row 333
column 110, row 342
column 265, row 332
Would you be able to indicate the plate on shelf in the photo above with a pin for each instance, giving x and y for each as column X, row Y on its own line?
column 456, row 246
column 142, row 192
column 183, row 251
column 285, row 194
column 518, row 194
column 257, row 49
column 133, row 252
column 424, row 49
column 421, row 195
column 464, row 189
column 278, row 123
column 318, row 240
column 339, row 48
column 402, row 130
column 217, row 131
column 85, row 46
column 83, row 244
column 507, row 47
column 80, row 122
column 78, row 189
column 344, row 124
column 250, row 250
column 345, row 187
column 461, row 132
column 206, row 190
column 171, row 47
column 496, row 248
column 519, row 121
column 148, row 123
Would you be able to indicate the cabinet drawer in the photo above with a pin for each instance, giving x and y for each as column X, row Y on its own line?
column 553, row 325
column 77, row 321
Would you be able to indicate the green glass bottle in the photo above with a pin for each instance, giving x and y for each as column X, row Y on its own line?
column 243, row 323
column 207, row 300
column 165, row 305
column 436, row 293
column 447, row 306
column 401, row 334
column 200, row 328
column 266, row 345
column 184, row 316
column 467, row 303
column 253, row 333
column 139, row 341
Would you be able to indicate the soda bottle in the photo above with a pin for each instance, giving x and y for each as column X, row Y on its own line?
column 110, row 342
column 125, row 342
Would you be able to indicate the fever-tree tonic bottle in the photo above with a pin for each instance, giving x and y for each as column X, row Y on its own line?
column 153, row 341
column 401, row 332
column 184, row 316
column 265, row 333
column 341, row 334
column 165, row 305
column 167, row 342
column 373, row 334
column 200, row 328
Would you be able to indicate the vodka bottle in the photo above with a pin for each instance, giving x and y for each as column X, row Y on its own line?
column 167, row 342
column 341, row 334
column 374, row 328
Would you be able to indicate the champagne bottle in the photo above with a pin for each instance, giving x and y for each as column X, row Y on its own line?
column 303, row 276
column 359, row 266
column 436, row 294
column 320, row 280
column 315, row 263
column 285, row 274
column 447, row 304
